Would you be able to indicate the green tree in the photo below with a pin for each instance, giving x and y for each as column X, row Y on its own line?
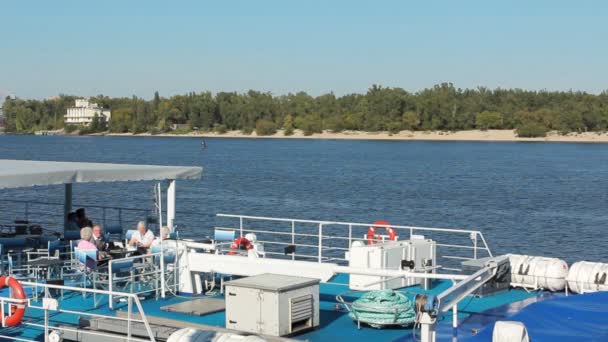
column 487, row 120
column 265, row 127
column 97, row 125
column 156, row 101
column 121, row 120
column 411, row 120
column 310, row 124
column 288, row 125
column 531, row 130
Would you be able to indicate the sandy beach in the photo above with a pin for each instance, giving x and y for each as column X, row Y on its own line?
column 471, row 135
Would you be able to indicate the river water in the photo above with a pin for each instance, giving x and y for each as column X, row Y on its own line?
column 534, row 198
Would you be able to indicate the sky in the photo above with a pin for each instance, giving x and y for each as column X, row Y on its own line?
column 125, row 48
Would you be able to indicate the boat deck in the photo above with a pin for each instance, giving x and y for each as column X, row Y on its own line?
column 473, row 314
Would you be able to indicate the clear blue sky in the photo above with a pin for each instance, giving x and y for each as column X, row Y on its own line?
column 121, row 48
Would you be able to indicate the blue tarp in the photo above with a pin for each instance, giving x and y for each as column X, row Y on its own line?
column 572, row 318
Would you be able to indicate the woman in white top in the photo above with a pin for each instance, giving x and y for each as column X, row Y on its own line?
column 142, row 238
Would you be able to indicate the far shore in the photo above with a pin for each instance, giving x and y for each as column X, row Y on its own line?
column 470, row 135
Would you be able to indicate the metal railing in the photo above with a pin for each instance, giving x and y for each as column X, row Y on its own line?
column 51, row 214
column 143, row 269
column 328, row 241
column 324, row 241
column 47, row 327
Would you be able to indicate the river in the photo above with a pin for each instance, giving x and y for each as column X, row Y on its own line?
column 534, row 198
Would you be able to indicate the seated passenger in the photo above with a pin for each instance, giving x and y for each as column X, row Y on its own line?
column 82, row 219
column 142, row 238
column 72, row 222
column 167, row 244
column 86, row 237
column 100, row 241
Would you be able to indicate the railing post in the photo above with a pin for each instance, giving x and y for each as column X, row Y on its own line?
column 474, row 237
column 129, row 309
column 241, row 225
column 320, row 254
column 293, row 238
column 120, row 217
column 110, row 281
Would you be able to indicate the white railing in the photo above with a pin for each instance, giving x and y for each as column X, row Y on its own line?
column 327, row 241
column 144, row 268
column 47, row 327
column 324, row 241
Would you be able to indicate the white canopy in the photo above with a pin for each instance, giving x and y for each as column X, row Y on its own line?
column 26, row 173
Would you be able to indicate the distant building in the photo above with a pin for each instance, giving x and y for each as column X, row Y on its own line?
column 83, row 113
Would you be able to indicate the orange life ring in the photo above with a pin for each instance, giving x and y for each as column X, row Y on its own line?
column 371, row 233
column 17, row 310
column 238, row 242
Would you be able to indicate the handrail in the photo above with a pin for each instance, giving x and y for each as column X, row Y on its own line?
column 132, row 298
column 111, row 274
column 75, row 205
column 318, row 241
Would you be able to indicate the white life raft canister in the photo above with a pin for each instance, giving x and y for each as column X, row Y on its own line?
column 538, row 272
column 585, row 276
column 195, row 335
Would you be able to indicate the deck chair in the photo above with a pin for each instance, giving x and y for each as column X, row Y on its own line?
column 129, row 235
column 122, row 276
column 113, row 233
column 51, row 251
column 71, row 235
column 224, row 235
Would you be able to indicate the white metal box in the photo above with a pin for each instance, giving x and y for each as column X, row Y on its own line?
column 272, row 304
column 388, row 256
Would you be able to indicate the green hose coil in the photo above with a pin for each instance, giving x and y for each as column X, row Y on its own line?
column 384, row 307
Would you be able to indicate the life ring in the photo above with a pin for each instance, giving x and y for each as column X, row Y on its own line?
column 371, row 233
column 240, row 243
column 17, row 310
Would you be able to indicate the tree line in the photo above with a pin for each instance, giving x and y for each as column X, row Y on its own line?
column 442, row 107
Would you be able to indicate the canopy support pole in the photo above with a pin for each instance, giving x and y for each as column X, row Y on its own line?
column 171, row 204
column 67, row 204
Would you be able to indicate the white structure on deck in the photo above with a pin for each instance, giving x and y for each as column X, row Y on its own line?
column 83, row 113
column 28, row 173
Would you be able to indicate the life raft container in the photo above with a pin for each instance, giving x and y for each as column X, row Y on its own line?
column 240, row 243
column 585, row 276
column 17, row 310
column 371, row 233
column 538, row 272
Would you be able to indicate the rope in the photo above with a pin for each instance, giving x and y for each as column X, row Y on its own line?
column 384, row 307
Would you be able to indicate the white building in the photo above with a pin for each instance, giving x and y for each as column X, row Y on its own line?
column 83, row 112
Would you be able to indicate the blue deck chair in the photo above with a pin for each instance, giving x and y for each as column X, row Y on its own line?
column 129, row 235
column 113, row 233
column 71, row 235
column 122, row 277
column 224, row 235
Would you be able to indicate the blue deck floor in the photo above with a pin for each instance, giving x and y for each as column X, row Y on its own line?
column 335, row 324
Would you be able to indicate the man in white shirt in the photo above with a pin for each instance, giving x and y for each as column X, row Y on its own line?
column 142, row 238
column 164, row 233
